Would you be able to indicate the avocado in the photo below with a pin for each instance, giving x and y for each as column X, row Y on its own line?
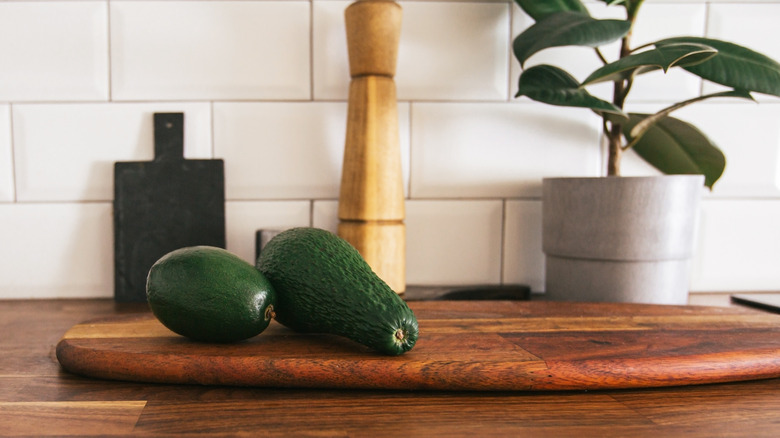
column 323, row 285
column 209, row 294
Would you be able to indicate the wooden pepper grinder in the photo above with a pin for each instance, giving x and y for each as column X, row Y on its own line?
column 371, row 202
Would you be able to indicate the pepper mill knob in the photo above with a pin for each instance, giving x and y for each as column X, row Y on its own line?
column 373, row 37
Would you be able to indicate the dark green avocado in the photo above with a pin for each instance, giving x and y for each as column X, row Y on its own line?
column 323, row 285
column 209, row 294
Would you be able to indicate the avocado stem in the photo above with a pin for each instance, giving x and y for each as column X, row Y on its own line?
column 269, row 313
column 400, row 334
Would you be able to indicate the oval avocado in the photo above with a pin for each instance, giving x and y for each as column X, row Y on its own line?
column 324, row 285
column 209, row 294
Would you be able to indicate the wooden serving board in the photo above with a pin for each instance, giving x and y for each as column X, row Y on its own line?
column 478, row 345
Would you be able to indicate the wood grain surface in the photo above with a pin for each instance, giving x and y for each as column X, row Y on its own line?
column 505, row 346
column 39, row 398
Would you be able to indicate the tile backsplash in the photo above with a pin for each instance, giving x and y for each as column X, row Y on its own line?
column 263, row 85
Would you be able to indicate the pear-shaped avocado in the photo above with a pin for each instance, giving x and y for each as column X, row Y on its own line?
column 323, row 285
column 209, row 294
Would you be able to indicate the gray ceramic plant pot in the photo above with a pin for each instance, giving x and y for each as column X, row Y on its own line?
column 619, row 239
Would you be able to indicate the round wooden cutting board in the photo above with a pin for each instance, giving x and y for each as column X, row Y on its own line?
column 463, row 345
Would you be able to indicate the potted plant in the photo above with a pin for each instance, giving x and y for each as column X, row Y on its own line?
column 593, row 227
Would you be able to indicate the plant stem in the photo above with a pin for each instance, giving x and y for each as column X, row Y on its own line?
column 641, row 128
column 601, row 56
column 614, row 149
column 620, row 91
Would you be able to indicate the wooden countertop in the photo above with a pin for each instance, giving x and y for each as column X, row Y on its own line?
column 38, row 398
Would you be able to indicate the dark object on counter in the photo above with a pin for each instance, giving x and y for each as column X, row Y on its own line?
column 764, row 301
column 163, row 205
column 513, row 292
column 262, row 237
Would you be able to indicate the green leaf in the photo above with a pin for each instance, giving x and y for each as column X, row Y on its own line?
column 554, row 86
column 677, row 147
column 567, row 29
column 539, row 9
column 734, row 66
column 664, row 58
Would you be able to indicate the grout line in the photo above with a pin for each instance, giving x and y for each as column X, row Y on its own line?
column 108, row 48
column 64, row 201
column 311, row 50
column 12, row 140
column 64, row 102
column 474, row 199
column 311, row 201
column 213, row 135
column 477, row 198
column 502, row 246
column 510, row 54
column 411, row 147
column 707, row 7
column 262, row 100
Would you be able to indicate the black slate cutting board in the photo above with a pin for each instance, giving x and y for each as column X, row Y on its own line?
column 162, row 205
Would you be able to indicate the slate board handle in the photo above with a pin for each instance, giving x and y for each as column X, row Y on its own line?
column 168, row 136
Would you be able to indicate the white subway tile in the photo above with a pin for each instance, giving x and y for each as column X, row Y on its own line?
column 210, row 50
column 54, row 250
column 330, row 64
column 53, row 51
column 749, row 136
column 453, row 242
column 325, row 215
column 66, row 152
column 464, row 56
column 737, row 248
column 746, row 132
column 280, row 150
column 6, row 156
column 447, row 242
column 244, row 218
column 751, row 25
column 679, row 20
column 523, row 257
column 283, row 150
column 493, row 150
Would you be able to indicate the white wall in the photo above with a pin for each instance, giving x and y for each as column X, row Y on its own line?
column 263, row 85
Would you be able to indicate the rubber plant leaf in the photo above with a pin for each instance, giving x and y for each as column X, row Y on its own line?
column 554, row 86
column 539, row 9
column 567, row 29
column 677, row 147
column 734, row 66
column 660, row 58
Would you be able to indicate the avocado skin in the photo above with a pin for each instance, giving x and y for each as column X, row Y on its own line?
column 209, row 294
column 323, row 285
